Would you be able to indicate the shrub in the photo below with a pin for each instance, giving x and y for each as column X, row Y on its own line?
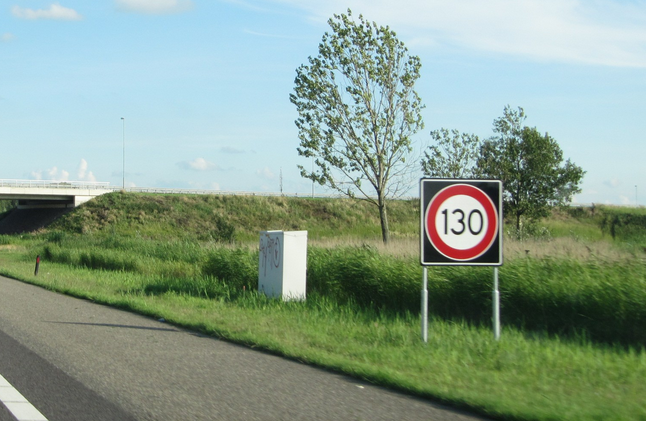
column 623, row 224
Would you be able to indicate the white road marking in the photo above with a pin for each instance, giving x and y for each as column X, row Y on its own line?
column 17, row 404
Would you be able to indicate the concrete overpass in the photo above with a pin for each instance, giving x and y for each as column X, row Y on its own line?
column 37, row 194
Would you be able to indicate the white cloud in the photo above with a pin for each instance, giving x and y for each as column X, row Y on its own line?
column 613, row 183
column 55, row 11
column 624, row 200
column 56, row 174
column 265, row 173
column 198, row 164
column 83, row 173
column 601, row 32
column 53, row 174
column 6, row 37
column 154, row 7
column 82, row 169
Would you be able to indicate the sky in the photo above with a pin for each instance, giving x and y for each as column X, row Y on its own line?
column 195, row 93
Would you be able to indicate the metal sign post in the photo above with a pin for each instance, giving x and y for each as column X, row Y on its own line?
column 425, row 307
column 496, row 305
column 461, row 225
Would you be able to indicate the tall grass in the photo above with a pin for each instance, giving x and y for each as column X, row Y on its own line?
column 600, row 299
column 564, row 286
column 523, row 376
column 604, row 300
column 574, row 320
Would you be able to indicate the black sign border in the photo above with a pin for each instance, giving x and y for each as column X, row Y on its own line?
column 429, row 255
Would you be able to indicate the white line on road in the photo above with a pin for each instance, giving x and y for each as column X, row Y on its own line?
column 17, row 404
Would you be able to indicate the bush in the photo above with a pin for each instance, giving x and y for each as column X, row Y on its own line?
column 224, row 231
column 623, row 224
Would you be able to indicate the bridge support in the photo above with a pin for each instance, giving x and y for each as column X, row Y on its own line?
column 37, row 194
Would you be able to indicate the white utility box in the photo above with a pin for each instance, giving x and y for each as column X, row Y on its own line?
column 282, row 266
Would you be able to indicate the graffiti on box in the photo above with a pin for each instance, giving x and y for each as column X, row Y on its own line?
column 269, row 253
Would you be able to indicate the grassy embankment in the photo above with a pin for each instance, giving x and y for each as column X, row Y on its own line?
column 573, row 303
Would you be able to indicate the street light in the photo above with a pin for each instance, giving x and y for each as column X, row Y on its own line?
column 312, row 179
column 123, row 120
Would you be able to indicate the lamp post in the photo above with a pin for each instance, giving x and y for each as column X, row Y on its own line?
column 123, row 120
column 312, row 173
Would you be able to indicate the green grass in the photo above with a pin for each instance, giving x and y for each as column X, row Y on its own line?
column 583, row 228
column 227, row 218
column 573, row 313
column 564, row 296
column 523, row 376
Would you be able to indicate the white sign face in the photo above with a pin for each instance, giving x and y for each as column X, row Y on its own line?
column 460, row 222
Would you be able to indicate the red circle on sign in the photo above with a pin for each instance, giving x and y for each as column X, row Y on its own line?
column 492, row 222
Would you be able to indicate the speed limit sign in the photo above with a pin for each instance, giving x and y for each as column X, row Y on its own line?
column 461, row 222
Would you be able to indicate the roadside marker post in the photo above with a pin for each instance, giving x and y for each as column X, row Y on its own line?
column 461, row 225
column 37, row 265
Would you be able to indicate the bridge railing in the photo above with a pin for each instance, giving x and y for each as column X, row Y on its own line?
column 48, row 184
column 161, row 190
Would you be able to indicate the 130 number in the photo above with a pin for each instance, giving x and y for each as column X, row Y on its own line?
column 471, row 222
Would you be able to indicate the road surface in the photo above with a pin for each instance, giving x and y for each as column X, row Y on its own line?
column 76, row 360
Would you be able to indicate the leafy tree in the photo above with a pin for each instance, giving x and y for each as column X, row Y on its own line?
column 530, row 166
column 454, row 155
column 357, row 112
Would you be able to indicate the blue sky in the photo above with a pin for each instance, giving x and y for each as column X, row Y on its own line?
column 203, row 85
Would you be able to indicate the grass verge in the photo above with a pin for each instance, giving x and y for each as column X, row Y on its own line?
column 599, row 297
column 524, row 376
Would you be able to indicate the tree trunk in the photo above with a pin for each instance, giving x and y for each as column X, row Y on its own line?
column 383, row 217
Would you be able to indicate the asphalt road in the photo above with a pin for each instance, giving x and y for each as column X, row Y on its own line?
column 76, row 360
